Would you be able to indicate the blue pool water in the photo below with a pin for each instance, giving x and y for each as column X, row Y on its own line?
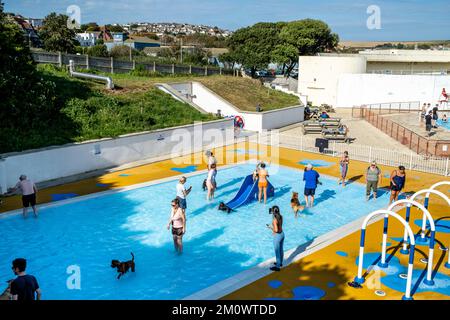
column 445, row 125
column 92, row 232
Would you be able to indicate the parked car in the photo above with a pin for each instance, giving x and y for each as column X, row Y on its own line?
column 262, row 73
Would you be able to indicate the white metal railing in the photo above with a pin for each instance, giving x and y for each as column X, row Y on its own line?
column 412, row 72
column 365, row 153
column 394, row 106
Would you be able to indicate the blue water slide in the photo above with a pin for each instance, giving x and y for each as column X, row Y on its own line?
column 248, row 192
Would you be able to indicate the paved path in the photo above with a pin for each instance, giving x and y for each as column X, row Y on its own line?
column 363, row 132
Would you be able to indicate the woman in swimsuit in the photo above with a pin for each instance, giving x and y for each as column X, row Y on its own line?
column 211, row 182
column 343, row 165
column 262, row 182
column 398, row 180
column 178, row 222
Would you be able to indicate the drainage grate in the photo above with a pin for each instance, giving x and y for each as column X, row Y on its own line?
column 380, row 293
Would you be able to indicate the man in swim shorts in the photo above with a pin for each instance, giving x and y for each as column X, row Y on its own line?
column 28, row 190
column 182, row 192
column 311, row 178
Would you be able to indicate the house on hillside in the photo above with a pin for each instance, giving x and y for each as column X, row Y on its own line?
column 88, row 38
column 36, row 23
column 28, row 30
column 135, row 42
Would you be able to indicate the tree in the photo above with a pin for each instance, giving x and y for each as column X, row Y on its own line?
column 91, row 26
column 123, row 51
column 228, row 58
column 253, row 46
column 303, row 37
column 26, row 100
column 98, row 50
column 55, row 34
column 197, row 56
column 115, row 28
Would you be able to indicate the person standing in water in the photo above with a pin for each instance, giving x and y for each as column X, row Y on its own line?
column 311, row 178
column 343, row 166
column 373, row 178
column 262, row 182
column 182, row 193
column 211, row 159
column 211, row 182
column 398, row 181
column 178, row 222
column 278, row 237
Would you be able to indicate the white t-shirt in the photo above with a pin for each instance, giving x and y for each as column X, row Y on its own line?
column 212, row 160
column 180, row 191
column 26, row 186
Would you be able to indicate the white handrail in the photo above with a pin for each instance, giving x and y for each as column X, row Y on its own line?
column 108, row 80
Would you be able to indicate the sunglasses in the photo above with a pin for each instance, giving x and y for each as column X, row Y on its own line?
column 174, row 205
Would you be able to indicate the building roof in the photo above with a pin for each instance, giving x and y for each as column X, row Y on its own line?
column 398, row 55
column 142, row 40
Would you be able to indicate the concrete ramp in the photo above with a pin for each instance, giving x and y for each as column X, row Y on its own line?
column 176, row 91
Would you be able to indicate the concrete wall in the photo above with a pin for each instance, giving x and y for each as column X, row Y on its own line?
column 358, row 89
column 254, row 121
column 319, row 75
column 62, row 161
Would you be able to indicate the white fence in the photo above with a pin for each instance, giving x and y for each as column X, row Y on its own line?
column 395, row 106
column 112, row 65
column 411, row 72
column 410, row 160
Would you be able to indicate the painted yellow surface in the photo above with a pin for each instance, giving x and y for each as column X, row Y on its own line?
column 318, row 269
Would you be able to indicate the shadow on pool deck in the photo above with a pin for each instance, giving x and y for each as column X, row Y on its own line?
column 330, row 280
column 354, row 179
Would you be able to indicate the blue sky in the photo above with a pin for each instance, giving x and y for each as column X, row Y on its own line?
column 400, row 19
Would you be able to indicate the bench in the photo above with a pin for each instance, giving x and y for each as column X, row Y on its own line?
column 335, row 134
column 319, row 126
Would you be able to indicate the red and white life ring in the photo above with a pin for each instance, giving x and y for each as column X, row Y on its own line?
column 239, row 122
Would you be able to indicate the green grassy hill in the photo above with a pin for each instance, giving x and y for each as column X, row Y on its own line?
column 86, row 110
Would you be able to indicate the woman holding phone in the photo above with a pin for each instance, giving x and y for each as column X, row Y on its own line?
column 278, row 237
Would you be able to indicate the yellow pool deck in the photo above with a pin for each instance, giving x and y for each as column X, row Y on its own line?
column 318, row 269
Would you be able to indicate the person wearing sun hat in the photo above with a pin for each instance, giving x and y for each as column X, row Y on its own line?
column 311, row 178
column 373, row 177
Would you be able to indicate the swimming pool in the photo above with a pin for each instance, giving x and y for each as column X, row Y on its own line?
column 92, row 232
column 445, row 125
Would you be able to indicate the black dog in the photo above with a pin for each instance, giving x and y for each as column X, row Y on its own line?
column 123, row 267
column 204, row 187
column 223, row 207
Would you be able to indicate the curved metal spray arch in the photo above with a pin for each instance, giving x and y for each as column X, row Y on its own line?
column 427, row 216
column 359, row 278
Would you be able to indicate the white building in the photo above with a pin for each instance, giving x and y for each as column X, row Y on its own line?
column 88, row 39
column 376, row 76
